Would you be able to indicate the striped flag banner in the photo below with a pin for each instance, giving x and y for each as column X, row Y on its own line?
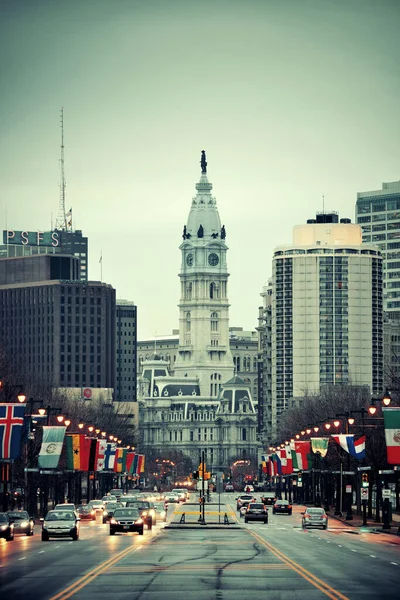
column 320, row 445
column 129, row 461
column 77, row 448
column 120, row 460
column 303, row 450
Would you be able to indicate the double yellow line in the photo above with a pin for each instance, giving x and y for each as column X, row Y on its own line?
column 315, row 581
column 89, row 577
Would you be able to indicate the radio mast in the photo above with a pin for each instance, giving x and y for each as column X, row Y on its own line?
column 61, row 221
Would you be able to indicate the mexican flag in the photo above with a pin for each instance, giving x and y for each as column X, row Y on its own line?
column 391, row 418
column 52, row 443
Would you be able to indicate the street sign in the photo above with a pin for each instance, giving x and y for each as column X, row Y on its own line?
column 386, row 472
column 364, row 494
column 363, row 468
column 33, row 470
column 385, row 493
column 348, row 489
column 348, row 472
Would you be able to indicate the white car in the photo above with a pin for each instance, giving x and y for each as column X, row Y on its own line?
column 172, row 497
column 248, row 488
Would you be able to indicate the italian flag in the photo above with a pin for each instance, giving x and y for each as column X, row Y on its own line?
column 391, row 418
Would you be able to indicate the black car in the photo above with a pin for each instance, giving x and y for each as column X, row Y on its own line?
column 282, row 506
column 109, row 510
column 6, row 527
column 23, row 523
column 268, row 498
column 125, row 520
column 256, row 511
column 146, row 510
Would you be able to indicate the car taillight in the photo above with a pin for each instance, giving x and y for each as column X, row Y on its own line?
column 289, row 506
column 275, row 506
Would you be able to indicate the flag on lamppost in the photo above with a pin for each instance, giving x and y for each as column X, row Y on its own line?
column 109, row 456
column 52, row 443
column 100, row 456
column 129, row 461
column 77, row 446
column 320, row 445
column 11, row 425
column 391, row 419
column 356, row 448
column 303, row 450
column 120, row 460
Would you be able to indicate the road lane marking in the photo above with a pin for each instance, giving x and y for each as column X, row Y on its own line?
column 393, row 563
column 372, row 556
column 313, row 579
column 90, row 576
column 353, row 550
column 22, row 558
column 41, row 551
column 199, row 567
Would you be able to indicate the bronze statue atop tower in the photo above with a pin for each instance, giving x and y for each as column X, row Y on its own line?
column 203, row 162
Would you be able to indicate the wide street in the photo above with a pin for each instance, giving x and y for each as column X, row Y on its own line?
column 275, row 561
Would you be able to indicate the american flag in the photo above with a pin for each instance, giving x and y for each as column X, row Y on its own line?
column 11, row 423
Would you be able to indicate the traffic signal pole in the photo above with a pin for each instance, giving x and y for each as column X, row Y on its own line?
column 202, row 489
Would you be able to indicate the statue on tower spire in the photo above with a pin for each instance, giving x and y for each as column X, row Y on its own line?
column 203, row 162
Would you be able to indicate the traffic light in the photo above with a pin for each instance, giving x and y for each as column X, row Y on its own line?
column 299, row 478
column 195, row 474
column 364, row 480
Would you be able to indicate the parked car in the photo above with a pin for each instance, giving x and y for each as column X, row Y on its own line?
column 60, row 523
column 23, row 523
column 6, row 527
column 282, row 506
column 85, row 511
column 269, row 498
column 240, row 500
column 314, row 517
column 256, row 511
column 125, row 520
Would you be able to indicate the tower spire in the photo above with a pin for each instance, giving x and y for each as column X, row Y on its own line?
column 61, row 221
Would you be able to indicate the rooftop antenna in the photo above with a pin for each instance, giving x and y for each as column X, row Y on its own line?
column 323, row 204
column 61, row 221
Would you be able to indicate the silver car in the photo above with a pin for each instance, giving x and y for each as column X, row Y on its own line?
column 314, row 517
column 58, row 523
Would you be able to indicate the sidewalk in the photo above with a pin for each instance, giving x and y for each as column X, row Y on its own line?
column 371, row 525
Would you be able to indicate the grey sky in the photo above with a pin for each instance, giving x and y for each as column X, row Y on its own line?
column 291, row 99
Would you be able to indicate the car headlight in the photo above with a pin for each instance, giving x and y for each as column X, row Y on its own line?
column 105, row 513
column 144, row 513
column 93, row 512
column 3, row 527
column 139, row 522
column 24, row 523
column 113, row 521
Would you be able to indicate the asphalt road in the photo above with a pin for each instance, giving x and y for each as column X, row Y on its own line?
column 274, row 561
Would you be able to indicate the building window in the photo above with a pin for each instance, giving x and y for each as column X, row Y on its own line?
column 236, row 362
column 191, row 435
column 188, row 322
column 215, row 384
column 214, row 321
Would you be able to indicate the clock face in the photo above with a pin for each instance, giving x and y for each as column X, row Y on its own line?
column 189, row 260
column 213, row 259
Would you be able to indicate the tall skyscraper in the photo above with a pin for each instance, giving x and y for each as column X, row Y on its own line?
column 126, row 357
column 61, row 329
column 327, row 325
column 378, row 214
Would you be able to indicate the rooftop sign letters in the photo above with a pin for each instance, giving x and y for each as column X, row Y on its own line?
column 31, row 238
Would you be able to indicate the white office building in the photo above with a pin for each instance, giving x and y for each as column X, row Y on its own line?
column 326, row 311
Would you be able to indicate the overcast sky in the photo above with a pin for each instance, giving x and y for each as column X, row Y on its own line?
column 291, row 99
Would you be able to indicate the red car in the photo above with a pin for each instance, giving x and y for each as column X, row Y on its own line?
column 86, row 512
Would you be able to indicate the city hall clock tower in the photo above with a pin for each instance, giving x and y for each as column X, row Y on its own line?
column 204, row 307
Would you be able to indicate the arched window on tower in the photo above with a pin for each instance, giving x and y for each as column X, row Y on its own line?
column 236, row 362
column 188, row 323
column 214, row 290
column 188, row 291
column 214, row 321
column 255, row 363
column 215, row 384
column 246, row 363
